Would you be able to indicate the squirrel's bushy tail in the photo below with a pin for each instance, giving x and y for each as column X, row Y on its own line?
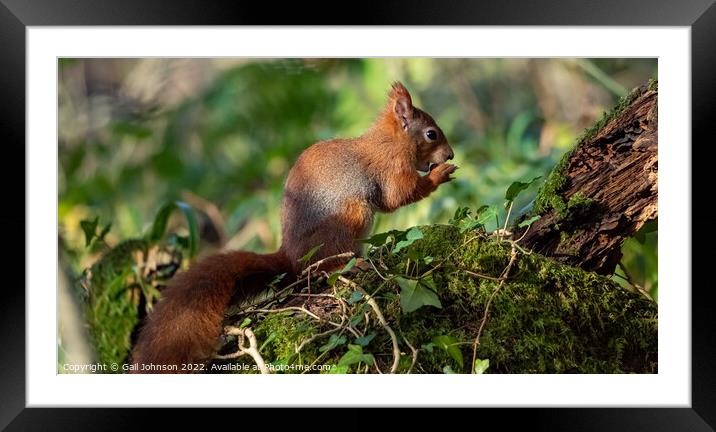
column 186, row 322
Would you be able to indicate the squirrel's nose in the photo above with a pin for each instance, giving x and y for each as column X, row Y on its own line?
column 450, row 155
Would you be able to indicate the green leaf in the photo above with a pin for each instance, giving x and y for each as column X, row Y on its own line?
column 517, row 187
column 448, row 370
column 334, row 276
column 410, row 237
column 481, row 365
column 160, row 223
column 486, row 214
column 268, row 340
column 245, row 322
column 90, row 229
column 429, row 282
column 349, row 265
column 356, row 319
column 529, row 221
column 355, row 355
column 333, row 342
column 335, row 369
column 381, row 238
column 449, row 345
column 355, row 297
column 104, row 231
column 460, row 214
column 364, row 340
column 414, row 296
column 304, row 259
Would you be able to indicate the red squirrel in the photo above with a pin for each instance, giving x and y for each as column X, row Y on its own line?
column 330, row 196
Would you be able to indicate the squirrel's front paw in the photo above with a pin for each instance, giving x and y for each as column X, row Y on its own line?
column 441, row 173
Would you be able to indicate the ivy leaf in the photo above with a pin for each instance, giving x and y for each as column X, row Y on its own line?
column 356, row 319
column 306, row 258
column 414, row 296
column 410, row 237
column 104, row 231
column 334, row 276
column 517, row 187
column 460, row 214
column 90, row 229
column 486, row 213
column 355, row 297
column 468, row 223
column 268, row 340
column 481, row 365
column 335, row 369
column 364, row 340
column 333, row 342
column 381, row 238
column 355, row 355
column 429, row 282
column 449, row 345
column 349, row 265
column 529, row 221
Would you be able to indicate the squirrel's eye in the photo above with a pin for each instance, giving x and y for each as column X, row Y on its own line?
column 432, row 135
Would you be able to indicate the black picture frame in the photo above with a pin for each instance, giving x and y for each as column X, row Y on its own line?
column 16, row 15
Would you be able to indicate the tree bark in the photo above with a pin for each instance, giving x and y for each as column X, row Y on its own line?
column 602, row 192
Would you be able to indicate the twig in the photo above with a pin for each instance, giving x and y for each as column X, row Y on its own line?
column 523, row 234
column 293, row 308
column 376, row 269
column 507, row 219
column 482, row 276
column 415, row 354
column 251, row 350
column 371, row 301
column 316, row 264
column 503, row 276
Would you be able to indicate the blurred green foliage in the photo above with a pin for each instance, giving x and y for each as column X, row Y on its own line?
column 221, row 134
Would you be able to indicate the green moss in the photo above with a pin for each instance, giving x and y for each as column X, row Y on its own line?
column 549, row 195
column 110, row 308
column 546, row 318
column 578, row 206
column 653, row 84
column 623, row 103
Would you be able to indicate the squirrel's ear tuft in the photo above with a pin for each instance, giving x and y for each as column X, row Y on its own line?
column 402, row 103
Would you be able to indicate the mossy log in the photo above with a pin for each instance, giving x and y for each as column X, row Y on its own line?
column 604, row 190
column 550, row 312
column 546, row 317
